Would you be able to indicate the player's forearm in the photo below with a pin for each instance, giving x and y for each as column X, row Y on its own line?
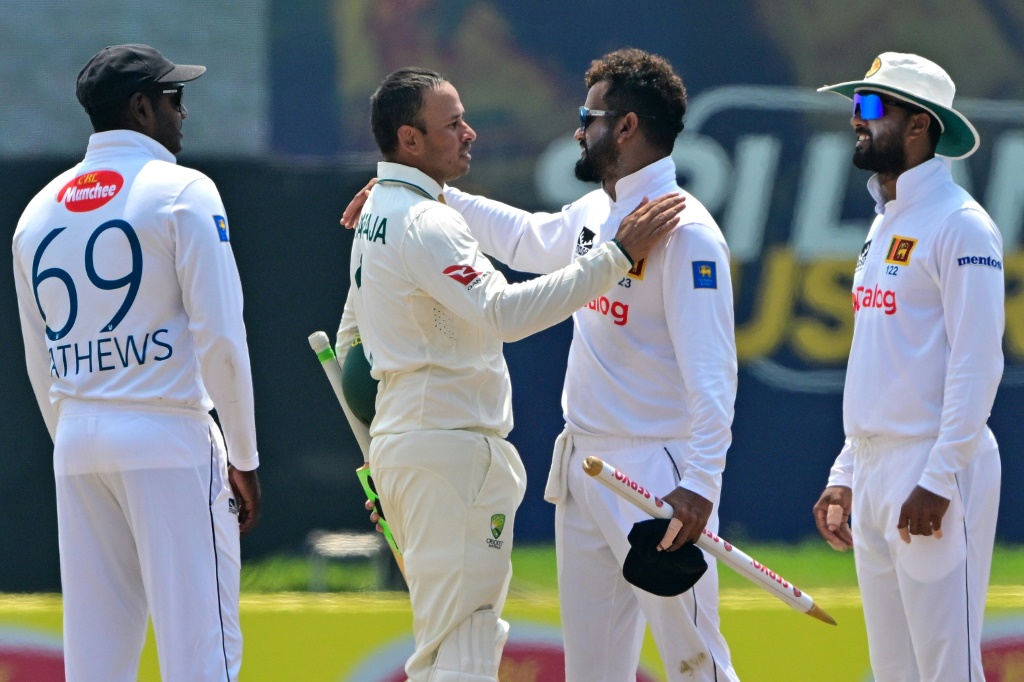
column 967, row 405
column 842, row 469
column 710, row 440
column 528, row 242
column 519, row 310
column 974, row 316
column 227, row 375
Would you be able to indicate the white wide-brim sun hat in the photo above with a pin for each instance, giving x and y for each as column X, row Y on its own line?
column 923, row 83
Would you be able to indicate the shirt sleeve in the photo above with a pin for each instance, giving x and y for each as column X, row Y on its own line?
column 33, row 331
column 212, row 297
column 699, row 312
column 524, row 241
column 842, row 469
column 446, row 262
column 973, row 309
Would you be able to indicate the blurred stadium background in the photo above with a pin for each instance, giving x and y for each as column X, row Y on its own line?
column 280, row 122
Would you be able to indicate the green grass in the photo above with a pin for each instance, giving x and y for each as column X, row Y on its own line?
column 809, row 564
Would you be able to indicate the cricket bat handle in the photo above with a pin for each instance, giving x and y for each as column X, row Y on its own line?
column 321, row 345
column 724, row 551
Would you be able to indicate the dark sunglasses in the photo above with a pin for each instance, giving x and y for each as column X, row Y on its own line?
column 871, row 107
column 587, row 114
column 175, row 93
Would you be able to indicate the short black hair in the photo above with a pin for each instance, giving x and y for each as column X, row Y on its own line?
column 645, row 84
column 398, row 102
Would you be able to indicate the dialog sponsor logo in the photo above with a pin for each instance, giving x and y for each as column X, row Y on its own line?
column 618, row 310
column 866, row 297
column 90, row 191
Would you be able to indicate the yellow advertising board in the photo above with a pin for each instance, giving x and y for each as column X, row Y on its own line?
column 366, row 638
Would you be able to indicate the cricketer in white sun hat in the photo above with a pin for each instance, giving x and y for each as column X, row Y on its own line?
column 923, row 83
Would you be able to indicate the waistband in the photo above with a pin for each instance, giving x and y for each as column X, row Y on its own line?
column 615, row 443
column 866, row 447
column 73, row 407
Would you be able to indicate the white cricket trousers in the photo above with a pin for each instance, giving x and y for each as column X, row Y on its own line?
column 924, row 603
column 450, row 498
column 603, row 616
column 146, row 531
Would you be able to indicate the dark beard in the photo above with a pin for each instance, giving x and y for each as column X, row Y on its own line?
column 882, row 156
column 593, row 166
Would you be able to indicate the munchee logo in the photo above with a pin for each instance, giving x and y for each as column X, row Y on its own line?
column 91, row 190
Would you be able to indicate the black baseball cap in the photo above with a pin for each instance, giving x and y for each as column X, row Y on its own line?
column 665, row 574
column 117, row 72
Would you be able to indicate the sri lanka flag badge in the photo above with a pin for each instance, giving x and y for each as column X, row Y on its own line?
column 222, row 227
column 704, row 274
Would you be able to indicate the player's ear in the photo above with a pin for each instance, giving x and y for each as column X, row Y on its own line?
column 410, row 140
column 140, row 111
column 628, row 126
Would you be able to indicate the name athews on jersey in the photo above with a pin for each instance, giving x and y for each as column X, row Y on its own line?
column 108, row 353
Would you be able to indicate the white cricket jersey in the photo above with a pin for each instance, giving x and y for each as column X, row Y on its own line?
column 928, row 324
column 433, row 312
column 655, row 354
column 129, row 293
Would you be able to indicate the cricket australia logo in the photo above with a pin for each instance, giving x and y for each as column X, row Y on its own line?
column 497, row 525
column 585, row 242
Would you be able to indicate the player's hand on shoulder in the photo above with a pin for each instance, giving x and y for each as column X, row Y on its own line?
column 649, row 223
column 351, row 215
column 832, row 517
column 691, row 512
column 246, row 487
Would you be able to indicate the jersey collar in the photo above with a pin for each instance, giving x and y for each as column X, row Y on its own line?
column 651, row 181
column 912, row 183
column 128, row 141
column 411, row 178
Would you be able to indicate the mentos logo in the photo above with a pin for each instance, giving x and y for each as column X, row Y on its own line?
column 987, row 261
column 866, row 297
column 619, row 311
column 91, row 190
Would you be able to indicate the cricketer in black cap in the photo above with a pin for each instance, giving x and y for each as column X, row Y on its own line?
column 109, row 82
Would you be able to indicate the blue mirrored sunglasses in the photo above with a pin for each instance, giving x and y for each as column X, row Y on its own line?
column 871, row 107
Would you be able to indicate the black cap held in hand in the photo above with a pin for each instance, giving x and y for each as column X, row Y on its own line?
column 117, row 72
column 665, row 574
